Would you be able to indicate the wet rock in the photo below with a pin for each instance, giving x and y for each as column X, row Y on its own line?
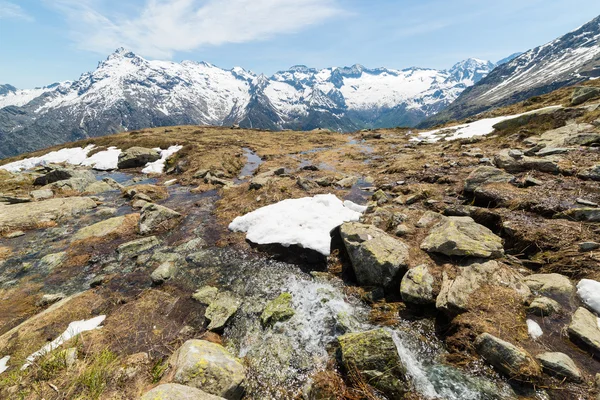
column 560, row 365
column 157, row 218
column 206, row 294
column 549, row 283
column 49, row 299
column 98, row 187
column 135, row 157
column 592, row 173
column 106, row 212
column 347, row 182
column 459, row 286
column 32, row 215
column 417, row 286
column 374, row 354
column 484, row 175
column 133, row 248
column 175, row 391
column 221, row 309
column 461, row 236
column 511, row 164
column 584, row 93
column 544, row 307
column 100, row 229
column 41, row 194
column 588, row 246
column 377, row 258
column 277, row 310
column 505, row 357
column 51, row 261
column 164, row 272
column 208, row 366
column 584, row 331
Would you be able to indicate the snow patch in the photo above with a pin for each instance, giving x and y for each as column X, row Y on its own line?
column 74, row 156
column 306, row 222
column 158, row 166
column 3, row 362
column 535, row 330
column 74, row 329
column 588, row 291
column 103, row 160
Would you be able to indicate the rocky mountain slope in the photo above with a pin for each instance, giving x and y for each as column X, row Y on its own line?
column 128, row 92
column 572, row 58
column 466, row 264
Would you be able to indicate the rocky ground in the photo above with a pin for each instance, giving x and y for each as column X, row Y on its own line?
column 473, row 273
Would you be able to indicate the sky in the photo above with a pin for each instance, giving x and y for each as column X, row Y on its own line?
column 47, row 41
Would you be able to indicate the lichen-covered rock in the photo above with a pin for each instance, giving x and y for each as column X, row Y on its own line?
column 544, row 307
column 133, row 248
column 484, row 175
column 560, row 365
column 164, row 272
column 175, row 391
column 582, row 94
column 417, row 286
column 279, row 309
column 156, row 218
column 209, row 367
column 549, row 283
column 135, row 157
column 377, row 258
column 51, row 261
column 374, row 354
column 221, row 309
column 461, row 236
column 584, row 331
column 41, row 194
column 512, row 163
column 458, row 287
column 206, row 294
column 100, row 229
column 507, row 358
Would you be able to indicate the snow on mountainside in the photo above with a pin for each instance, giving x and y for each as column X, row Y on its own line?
column 572, row 58
column 127, row 91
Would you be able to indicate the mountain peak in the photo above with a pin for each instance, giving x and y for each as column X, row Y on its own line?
column 122, row 52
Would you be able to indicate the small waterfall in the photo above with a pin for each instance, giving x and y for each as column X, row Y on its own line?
column 414, row 369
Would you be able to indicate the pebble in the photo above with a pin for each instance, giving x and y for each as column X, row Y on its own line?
column 586, row 202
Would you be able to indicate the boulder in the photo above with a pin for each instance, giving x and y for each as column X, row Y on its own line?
column 584, row 331
column 585, row 214
column 374, row 354
column 461, row 236
column 507, row 358
column 279, row 309
column 135, row 247
column 378, row 259
column 511, row 163
column 32, row 215
column 569, row 135
column 221, row 309
column 135, row 157
column 592, row 173
column 560, row 365
column 100, row 229
column 57, row 174
column 98, row 187
column 582, row 94
column 208, row 366
column 544, row 307
column 156, row 218
column 458, row 287
column 484, row 175
column 164, row 272
column 549, row 284
column 175, row 391
column 417, row 286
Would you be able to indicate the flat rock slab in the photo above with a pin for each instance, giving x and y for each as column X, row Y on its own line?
column 175, row 391
column 550, row 283
column 584, row 331
column 561, row 365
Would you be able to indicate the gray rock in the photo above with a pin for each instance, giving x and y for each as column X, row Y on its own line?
column 485, row 175
column 51, row 261
column 100, row 229
column 589, row 246
column 507, row 358
column 41, row 194
column 584, row 331
column 430, row 218
column 403, row 230
column 461, row 236
column 377, row 258
column 458, row 287
column 584, row 93
column 49, row 299
column 206, row 294
column 136, row 157
column 306, row 184
column 133, row 248
column 417, row 286
column 544, row 307
column 175, row 391
column 505, row 161
column 347, row 182
column 208, row 366
column 549, row 283
column 560, row 365
column 586, row 214
column 221, row 309
column 569, row 135
column 156, row 218
column 586, row 202
column 57, row 174
column 164, row 272
column 592, row 173
column 550, row 151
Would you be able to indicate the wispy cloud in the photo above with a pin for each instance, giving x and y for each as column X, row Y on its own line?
column 162, row 27
column 13, row 11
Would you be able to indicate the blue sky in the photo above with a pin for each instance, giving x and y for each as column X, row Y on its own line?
column 45, row 41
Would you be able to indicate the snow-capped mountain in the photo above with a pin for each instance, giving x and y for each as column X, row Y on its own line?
column 127, row 91
column 572, row 58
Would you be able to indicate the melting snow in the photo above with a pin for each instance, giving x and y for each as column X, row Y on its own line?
column 158, row 166
column 74, row 329
column 74, row 156
column 104, row 160
column 306, row 222
column 589, row 292
column 535, row 331
column 3, row 362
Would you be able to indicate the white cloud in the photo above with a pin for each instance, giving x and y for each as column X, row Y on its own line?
column 162, row 27
column 13, row 11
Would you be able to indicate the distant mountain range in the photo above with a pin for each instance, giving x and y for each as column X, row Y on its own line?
column 570, row 59
column 128, row 92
